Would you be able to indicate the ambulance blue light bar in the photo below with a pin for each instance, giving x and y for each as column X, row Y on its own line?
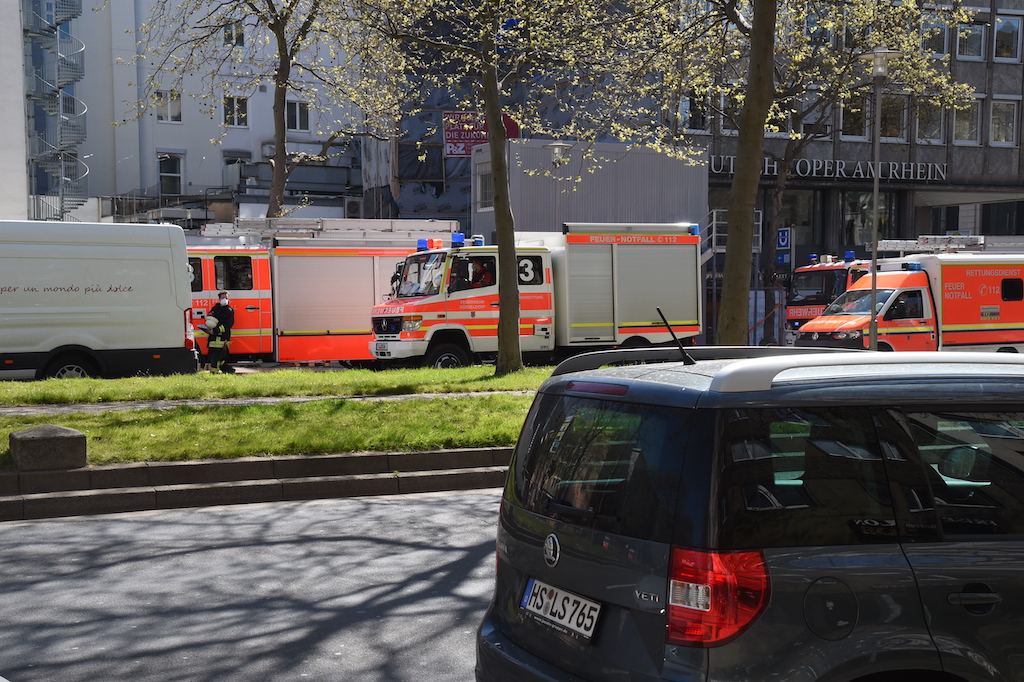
column 458, row 240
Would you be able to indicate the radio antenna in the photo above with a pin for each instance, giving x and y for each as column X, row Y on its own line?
column 687, row 358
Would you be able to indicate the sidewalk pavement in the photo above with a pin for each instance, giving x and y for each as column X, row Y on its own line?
column 167, row 485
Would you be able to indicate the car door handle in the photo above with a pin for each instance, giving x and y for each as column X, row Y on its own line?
column 495, row 304
column 966, row 598
column 251, row 308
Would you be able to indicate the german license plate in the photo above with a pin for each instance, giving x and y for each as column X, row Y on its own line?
column 382, row 346
column 562, row 610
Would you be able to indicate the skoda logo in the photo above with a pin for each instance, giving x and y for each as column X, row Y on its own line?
column 552, row 550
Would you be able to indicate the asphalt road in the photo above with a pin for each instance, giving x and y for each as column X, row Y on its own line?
column 387, row 589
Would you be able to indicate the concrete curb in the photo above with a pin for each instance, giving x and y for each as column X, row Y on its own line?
column 168, row 485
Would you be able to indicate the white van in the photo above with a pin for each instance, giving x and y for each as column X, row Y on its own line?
column 93, row 299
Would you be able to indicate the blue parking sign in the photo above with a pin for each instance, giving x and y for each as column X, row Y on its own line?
column 783, row 238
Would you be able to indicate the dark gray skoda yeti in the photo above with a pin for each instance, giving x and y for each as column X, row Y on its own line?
column 781, row 516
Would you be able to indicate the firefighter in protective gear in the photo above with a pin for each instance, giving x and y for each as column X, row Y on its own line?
column 217, row 342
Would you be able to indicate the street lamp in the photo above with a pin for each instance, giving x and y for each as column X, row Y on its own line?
column 559, row 154
column 879, row 57
column 559, row 150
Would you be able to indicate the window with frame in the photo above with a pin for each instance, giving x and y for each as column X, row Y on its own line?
column 931, row 122
column 692, row 113
column 933, row 36
column 233, row 272
column 195, row 273
column 234, row 34
column 802, row 477
column 731, row 109
column 484, row 186
column 1003, row 128
column 605, row 465
column 975, row 467
column 816, row 118
column 970, row 42
column 1012, row 289
column 531, row 271
column 1006, row 41
column 236, row 112
column 296, row 115
column 168, row 106
column 170, row 167
column 894, row 117
column 855, row 118
column 967, row 124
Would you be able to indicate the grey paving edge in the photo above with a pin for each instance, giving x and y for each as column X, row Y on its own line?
column 140, row 487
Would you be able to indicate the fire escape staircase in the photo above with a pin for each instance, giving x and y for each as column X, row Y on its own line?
column 49, row 84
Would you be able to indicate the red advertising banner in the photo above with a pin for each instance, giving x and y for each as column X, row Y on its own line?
column 463, row 130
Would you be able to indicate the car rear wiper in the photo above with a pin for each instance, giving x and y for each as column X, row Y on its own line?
column 564, row 509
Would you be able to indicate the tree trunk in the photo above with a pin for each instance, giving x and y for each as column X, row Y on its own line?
column 510, row 358
column 760, row 93
column 279, row 165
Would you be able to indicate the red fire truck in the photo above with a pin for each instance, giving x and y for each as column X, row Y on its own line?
column 302, row 290
column 593, row 286
column 815, row 285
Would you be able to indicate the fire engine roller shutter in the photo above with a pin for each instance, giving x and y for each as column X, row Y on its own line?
column 591, row 310
column 317, row 294
column 653, row 275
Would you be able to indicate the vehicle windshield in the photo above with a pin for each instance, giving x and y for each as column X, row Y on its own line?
column 817, row 287
column 858, row 302
column 422, row 275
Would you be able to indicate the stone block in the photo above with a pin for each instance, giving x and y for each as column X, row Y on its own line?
column 48, row 447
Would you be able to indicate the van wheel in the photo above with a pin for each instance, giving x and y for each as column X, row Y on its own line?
column 445, row 356
column 1011, row 349
column 71, row 367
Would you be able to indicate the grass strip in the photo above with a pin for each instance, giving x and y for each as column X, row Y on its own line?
column 284, row 382
column 315, row 427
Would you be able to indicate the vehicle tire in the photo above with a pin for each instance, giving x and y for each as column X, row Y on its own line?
column 445, row 356
column 71, row 367
column 885, row 347
column 1010, row 349
column 635, row 342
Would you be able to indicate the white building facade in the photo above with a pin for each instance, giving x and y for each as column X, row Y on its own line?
column 188, row 160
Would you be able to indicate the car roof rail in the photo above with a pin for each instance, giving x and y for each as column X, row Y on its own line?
column 758, row 375
column 598, row 359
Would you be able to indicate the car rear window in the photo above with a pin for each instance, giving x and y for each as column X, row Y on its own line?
column 801, row 477
column 611, row 466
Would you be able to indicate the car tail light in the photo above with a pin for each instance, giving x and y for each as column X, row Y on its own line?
column 190, row 337
column 714, row 596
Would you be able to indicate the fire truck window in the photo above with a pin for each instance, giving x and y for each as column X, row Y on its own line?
column 195, row 273
column 1013, row 290
column 233, row 272
column 531, row 270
